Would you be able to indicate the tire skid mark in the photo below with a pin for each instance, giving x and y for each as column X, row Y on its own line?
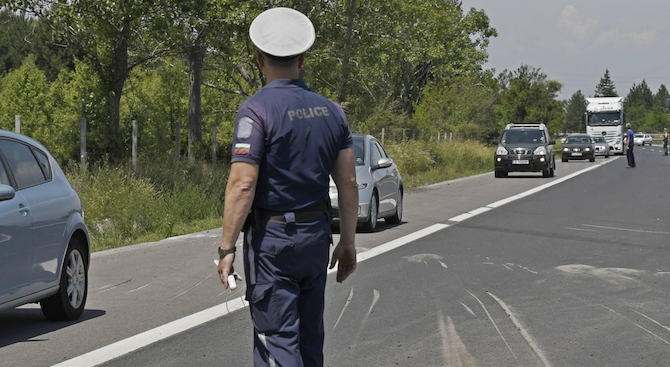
column 375, row 298
column 113, row 286
column 526, row 269
column 496, row 326
column 454, row 351
column 188, row 290
column 636, row 324
column 650, row 319
column 469, row 310
column 351, row 295
column 529, row 339
column 137, row 289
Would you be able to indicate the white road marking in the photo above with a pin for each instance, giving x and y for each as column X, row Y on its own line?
column 141, row 340
column 137, row 289
column 636, row 324
column 580, row 229
column 468, row 309
column 375, row 298
column 346, row 304
column 496, row 326
column 625, row 229
column 188, row 290
column 529, row 339
column 652, row 320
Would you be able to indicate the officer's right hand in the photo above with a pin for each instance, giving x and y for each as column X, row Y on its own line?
column 345, row 256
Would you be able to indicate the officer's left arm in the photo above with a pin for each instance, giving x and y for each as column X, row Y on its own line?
column 239, row 197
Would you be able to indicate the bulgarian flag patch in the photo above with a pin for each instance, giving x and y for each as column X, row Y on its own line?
column 242, row 148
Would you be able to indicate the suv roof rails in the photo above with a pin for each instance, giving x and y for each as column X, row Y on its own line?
column 536, row 126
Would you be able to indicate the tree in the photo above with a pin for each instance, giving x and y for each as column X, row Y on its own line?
column 640, row 96
column 109, row 37
column 574, row 111
column 527, row 96
column 661, row 96
column 606, row 86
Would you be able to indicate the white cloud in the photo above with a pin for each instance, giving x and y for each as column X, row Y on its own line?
column 569, row 19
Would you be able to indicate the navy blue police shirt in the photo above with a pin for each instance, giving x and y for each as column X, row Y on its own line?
column 294, row 135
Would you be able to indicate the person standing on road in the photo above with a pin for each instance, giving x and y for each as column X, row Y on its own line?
column 664, row 136
column 287, row 140
column 629, row 146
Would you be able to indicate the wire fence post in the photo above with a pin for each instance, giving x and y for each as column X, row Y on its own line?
column 213, row 144
column 177, row 141
column 382, row 136
column 17, row 123
column 134, row 148
column 82, row 142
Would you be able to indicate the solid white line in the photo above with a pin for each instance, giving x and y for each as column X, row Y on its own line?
column 396, row 243
column 547, row 185
column 138, row 341
column 141, row 340
column 460, row 218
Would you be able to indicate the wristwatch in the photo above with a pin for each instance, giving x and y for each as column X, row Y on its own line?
column 223, row 252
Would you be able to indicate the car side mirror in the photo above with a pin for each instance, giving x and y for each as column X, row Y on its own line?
column 384, row 163
column 552, row 142
column 6, row 192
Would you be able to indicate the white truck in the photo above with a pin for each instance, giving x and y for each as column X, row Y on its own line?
column 605, row 117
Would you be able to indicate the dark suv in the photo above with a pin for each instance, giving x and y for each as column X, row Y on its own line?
column 525, row 148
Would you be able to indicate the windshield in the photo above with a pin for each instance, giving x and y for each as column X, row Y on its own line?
column 359, row 150
column 605, row 119
column 523, row 137
column 598, row 140
column 578, row 140
column 639, row 136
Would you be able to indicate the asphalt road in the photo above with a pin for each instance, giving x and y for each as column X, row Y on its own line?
column 575, row 274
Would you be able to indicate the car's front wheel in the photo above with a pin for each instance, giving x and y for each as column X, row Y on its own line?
column 68, row 303
column 500, row 174
column 397, row 217
column 371, row 224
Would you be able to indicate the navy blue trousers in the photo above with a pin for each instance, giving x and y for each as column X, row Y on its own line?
column 630, row 156
column 285, row 265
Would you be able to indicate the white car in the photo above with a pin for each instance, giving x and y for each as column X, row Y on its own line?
column 642, row 139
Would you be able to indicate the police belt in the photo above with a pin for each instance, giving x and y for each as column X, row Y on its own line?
column 306, row 214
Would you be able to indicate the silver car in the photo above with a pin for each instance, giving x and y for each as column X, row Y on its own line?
column 44, row 242
column 380, row 187
column 601, row 146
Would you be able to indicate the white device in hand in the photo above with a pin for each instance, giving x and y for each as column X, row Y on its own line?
column 232, row 277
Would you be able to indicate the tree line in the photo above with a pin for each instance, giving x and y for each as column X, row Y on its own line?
column 390, row 63
column 645, row 110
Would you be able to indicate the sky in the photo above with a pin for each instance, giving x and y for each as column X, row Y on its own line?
column 573, row 42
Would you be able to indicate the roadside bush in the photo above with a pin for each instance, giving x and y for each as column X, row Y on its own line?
column 429, row 162
column 159, row 200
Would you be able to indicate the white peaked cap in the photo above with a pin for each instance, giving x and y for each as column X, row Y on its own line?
column 282, row 32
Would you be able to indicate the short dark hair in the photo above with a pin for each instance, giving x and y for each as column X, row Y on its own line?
column 277, row 62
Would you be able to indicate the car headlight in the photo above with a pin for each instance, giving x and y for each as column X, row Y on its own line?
column 566, row 149
column 587, row 149
column 332, row 189
column 540, row 151
column 362, row 186
column 501, row 151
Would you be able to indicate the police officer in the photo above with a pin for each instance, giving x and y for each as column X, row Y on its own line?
column 665, row 140
column 629, row 146
column 287, row 140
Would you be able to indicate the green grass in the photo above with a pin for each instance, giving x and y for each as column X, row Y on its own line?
column 422, row 163
column 159, row 200
column 162, row 199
